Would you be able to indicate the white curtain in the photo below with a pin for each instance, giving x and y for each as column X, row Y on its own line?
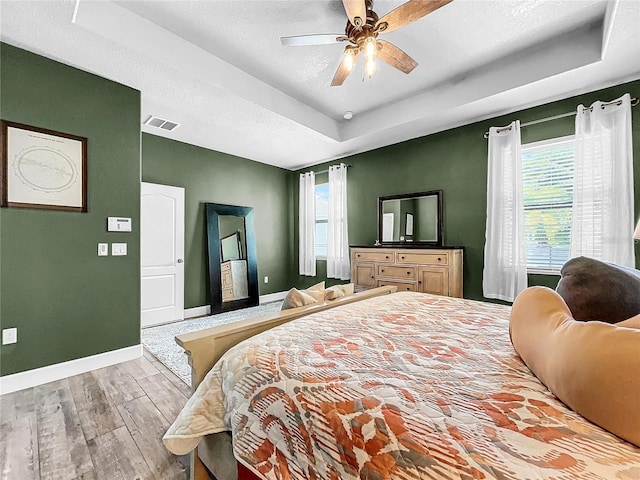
column 602, row 224
column 307, row 216
column 505, row 256
column 338, row 265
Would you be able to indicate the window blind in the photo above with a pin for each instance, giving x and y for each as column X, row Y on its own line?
column 322, row 216
column 547, row 173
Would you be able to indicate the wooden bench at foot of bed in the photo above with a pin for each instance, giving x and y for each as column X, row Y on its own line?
column 205, row 347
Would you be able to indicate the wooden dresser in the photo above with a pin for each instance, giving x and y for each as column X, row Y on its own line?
column 428, row 270
column 234, row 280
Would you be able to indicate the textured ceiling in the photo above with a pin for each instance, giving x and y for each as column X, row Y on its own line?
column 218, row 68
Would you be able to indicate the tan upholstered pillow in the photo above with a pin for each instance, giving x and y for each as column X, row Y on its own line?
column 338, row 291
column 316, row 291
column 591, row 366
column 298, row 298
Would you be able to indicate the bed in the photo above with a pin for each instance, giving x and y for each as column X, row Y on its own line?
column 401, row 386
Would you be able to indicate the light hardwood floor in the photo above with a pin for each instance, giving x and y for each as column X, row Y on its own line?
column 106, row 424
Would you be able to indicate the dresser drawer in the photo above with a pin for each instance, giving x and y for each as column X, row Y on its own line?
column 402, row 287
column 227, row 294
column 376, row 256
column 423, row 258
column 397, row 272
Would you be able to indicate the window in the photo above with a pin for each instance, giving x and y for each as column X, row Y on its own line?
column 322, row 217
column 547, row 175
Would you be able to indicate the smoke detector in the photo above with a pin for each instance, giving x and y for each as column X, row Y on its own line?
column 348, row 115
column 161, row 123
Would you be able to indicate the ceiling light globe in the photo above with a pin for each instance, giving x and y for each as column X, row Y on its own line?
column 371, row 67
column 370, row 47
column 348, row 60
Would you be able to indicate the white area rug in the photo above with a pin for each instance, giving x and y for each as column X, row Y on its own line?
column 161, row 343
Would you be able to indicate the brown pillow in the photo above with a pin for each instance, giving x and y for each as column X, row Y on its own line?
column 595, row 290
column 338, row 291
column 298, row 298
column 590, row 366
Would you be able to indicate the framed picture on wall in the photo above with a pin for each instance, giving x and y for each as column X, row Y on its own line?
column 42, row 168
column 408, row 229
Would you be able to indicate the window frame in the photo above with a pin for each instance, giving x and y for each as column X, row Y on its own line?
column 536, row 145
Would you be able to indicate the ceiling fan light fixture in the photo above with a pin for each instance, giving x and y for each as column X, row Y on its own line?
column 370, row 47
column 362, row 30
column 348, row 59
column 370, row 66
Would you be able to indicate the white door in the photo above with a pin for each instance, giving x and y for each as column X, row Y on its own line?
column 162, row 253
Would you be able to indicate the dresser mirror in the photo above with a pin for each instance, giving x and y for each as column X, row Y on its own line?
column 411, row 219
column 233, row 273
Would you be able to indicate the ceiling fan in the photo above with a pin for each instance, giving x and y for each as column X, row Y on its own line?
column 362, row 30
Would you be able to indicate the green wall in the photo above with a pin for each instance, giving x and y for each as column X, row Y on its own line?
column 454, row 161
column 210, row 176
column 67, row 302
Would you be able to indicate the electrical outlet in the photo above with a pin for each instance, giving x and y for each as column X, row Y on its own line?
column 9, row 336
column 266, row 279
column 103, row 249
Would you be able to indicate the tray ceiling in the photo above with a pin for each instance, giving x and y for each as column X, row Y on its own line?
column 218, row 69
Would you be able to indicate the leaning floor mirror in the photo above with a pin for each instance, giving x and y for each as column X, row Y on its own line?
column 233, row 266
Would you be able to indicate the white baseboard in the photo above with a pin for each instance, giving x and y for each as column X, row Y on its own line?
column 51, row 373
column 197, row 311
column 206, row 309
column 272, row 297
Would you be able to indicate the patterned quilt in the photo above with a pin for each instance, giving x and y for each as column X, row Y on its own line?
column 405, row 386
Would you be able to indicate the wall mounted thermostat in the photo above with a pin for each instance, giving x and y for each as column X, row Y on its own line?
column 118, row 224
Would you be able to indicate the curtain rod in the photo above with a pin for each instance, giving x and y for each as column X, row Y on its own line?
column 634, row 102
column 327, row 171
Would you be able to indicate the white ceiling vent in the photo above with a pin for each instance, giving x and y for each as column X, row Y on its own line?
column 161, row 123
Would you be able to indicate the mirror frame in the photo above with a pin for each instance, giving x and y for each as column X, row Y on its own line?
column 436, row 193
column 212, row 212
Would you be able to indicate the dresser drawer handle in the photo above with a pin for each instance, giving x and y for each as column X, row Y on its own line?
column 386, row 256
column 408, row 273
column 372, row 276
column 382, row 270
column 408, row 289
column 358, row 255
column 439, row 259
column 402, row 257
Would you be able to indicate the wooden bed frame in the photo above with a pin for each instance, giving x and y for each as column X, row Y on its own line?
column 205, row 347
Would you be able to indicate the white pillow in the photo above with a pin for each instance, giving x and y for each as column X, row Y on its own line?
column 338, row 291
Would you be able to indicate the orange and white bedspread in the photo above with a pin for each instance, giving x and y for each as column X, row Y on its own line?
column 405, row 386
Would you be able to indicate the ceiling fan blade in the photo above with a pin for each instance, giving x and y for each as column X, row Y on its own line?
column 343, row 70
column 407, row 13
column 395, row 57
column 355, row 9
column 306, row 40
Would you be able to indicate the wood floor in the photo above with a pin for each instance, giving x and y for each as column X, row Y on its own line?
column 106, row 424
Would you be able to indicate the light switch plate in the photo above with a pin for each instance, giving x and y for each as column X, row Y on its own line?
column 118, row 249
column 103, row 249
column 9, row 336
